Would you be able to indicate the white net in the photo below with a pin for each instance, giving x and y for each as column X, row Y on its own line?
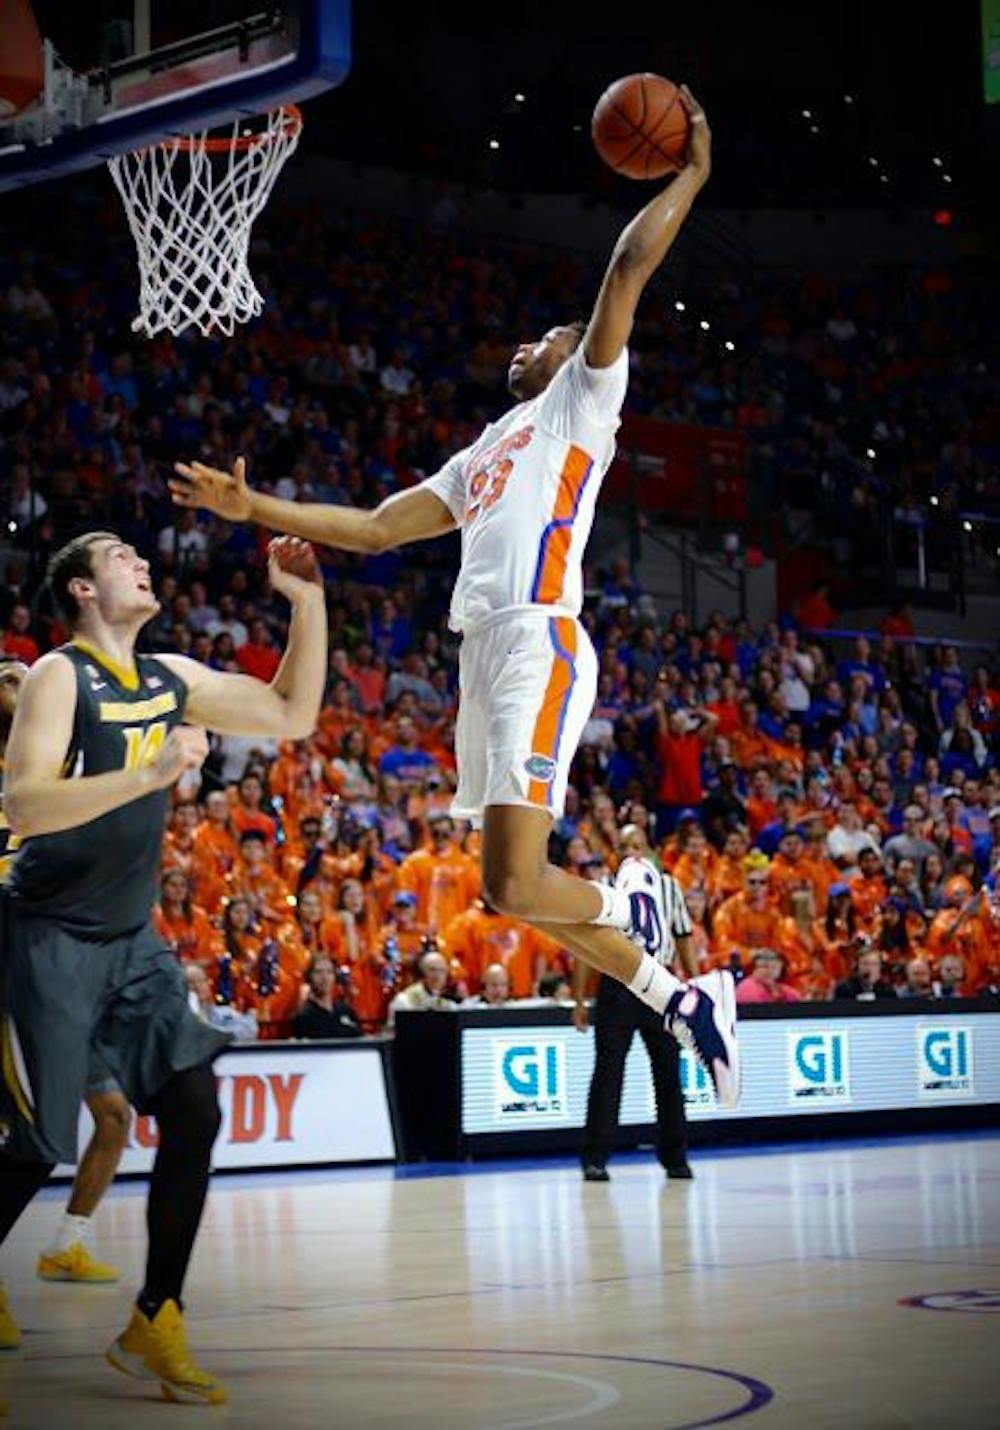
column 191, row 204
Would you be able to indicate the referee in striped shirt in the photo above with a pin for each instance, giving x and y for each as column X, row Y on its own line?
column 618, row 1016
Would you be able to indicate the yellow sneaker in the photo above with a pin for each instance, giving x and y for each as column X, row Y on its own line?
column 74, row 1264
column 158, row 1350
column 10, row 1331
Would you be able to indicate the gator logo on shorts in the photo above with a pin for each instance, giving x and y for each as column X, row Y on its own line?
column 541, row 767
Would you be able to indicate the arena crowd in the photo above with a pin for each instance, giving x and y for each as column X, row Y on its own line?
column 833, row 817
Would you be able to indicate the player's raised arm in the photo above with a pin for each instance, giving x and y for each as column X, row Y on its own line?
column 412, row 515
column 37, row 797
column 288, row 707
column 643, row 244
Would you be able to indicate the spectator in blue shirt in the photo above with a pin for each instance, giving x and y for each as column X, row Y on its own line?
column 861, row 663
column 947, row 688
column 405, row 759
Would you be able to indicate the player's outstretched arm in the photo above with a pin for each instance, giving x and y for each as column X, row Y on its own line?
column 413, row 515
column 288, row 707
column 37, row 797
column 644, row 243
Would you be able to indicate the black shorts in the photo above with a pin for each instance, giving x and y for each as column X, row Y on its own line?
column 71, row 1009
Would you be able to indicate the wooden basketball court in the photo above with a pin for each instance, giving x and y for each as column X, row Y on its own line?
column 837, row 1285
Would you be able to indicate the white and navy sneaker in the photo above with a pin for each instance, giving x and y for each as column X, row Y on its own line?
column 640, row 880
column 702, row 1016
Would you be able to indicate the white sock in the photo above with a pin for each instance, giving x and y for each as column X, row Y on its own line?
column 71, row 1230
column 616, row 912
column 654, row 984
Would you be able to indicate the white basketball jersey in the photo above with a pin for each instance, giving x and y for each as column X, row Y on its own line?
column 524, row 494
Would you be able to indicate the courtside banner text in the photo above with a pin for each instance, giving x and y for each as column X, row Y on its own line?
column 537, row 1077
column 287, row 1107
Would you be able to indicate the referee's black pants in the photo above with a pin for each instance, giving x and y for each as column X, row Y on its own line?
column 618, row 1015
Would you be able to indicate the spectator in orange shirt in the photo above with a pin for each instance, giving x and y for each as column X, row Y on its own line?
column 726, row 709
column 251, row 973
column 341, row 713
column 248, row 811
column 823, row 872
column 178, row 842
column 751, row 746
column 789, row 872
column 409, row 935
column 730, row 873
column 215, row 849
column 238, row 945
column 318, row 931
column 803, row 948
column 749, row 919
column 306, row 860
column 680, row 741
column 181, row 924
column 372, row 980
column 480, row 936
column 899, row 936
column 444, row 880
column 815, row 613
column 696, row 867
column 295, row 759
column 960, row 929
column 762, row 807
column 897, row 625
column 255, row 879
column 869, row 891
column 840, row 931
column 18, row 640
column 260, row 657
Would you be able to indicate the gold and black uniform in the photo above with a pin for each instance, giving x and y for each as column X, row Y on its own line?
column 86, row 978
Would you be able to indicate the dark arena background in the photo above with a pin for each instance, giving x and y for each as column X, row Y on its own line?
column 793, row 589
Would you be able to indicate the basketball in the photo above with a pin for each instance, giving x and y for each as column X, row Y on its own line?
column 640, row 126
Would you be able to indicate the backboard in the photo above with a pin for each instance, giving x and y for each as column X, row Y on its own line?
column 123, row 74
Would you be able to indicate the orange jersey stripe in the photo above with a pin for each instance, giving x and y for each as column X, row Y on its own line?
column 553, row 550
column 549, row 721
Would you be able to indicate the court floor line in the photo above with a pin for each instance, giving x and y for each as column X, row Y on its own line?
column 758, row 1392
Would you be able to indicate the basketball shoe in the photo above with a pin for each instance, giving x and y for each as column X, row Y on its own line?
column 157, row 1349
column 640, row 880
column 702, row 1016
column 74, row 1264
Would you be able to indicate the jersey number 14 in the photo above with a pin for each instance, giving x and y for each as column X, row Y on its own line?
column 143, row 744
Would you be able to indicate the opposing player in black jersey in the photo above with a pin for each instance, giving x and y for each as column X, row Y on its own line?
column 99, row 737
column 68, row 1257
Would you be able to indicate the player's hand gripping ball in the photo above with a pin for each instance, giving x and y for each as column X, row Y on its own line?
column 292, row 566
column 642, row 126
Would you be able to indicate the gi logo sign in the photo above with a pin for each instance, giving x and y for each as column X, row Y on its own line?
column 944, row 1062
column 817, row 1068
column 696, row 1085
column 529, row 1079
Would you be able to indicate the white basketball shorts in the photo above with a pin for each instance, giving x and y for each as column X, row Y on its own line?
column 527, row 686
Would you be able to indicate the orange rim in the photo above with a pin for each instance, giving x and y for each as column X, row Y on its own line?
column 291, row 124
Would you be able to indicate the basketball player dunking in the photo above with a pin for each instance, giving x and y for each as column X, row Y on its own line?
column 97, row 742
column 523, row 496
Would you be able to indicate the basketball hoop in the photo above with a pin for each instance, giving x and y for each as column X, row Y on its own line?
column 191, row 203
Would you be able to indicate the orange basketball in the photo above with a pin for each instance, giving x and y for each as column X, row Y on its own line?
column 640, row 126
